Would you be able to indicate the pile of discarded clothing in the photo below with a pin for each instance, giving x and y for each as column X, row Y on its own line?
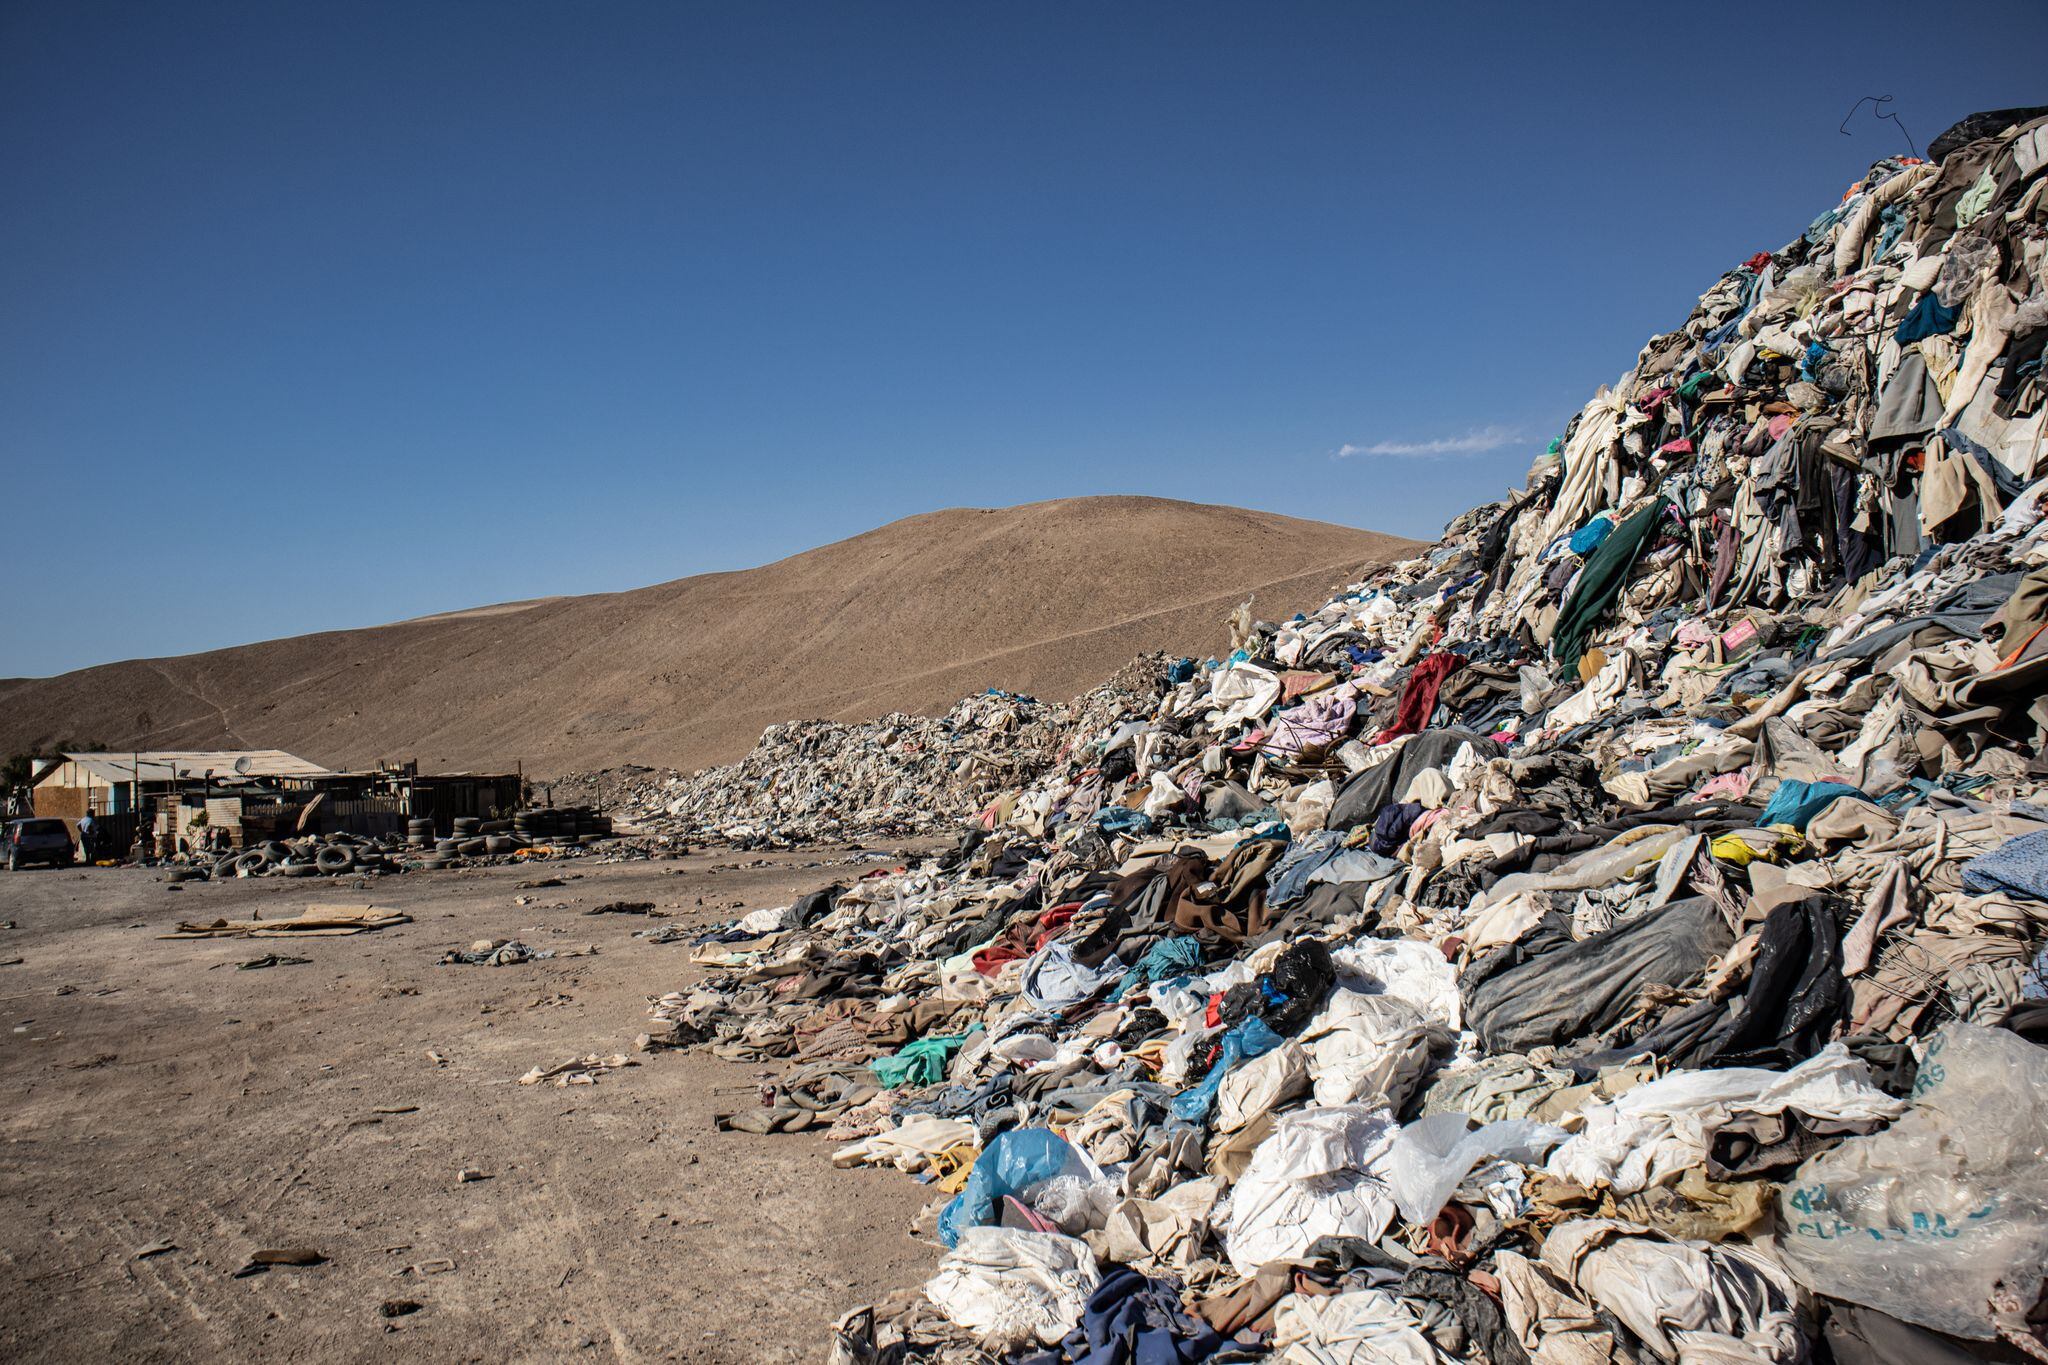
column 819, row 781
column 1620, row 932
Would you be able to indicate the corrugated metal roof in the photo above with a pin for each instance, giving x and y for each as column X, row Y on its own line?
column 168, row 765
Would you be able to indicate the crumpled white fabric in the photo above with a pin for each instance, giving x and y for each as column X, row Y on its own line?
column 1503, row 922
column 1364, row 1327
column 1689, row 1301
column 1406, row 969
column 1316, row 1175
column 1369, row 1047
column 1261, row 1085
column 1163, row 795
column 1596, row 696
column 1657, row 1131
column 909, row 1146
column 1241, row 692
column 1554, row 1325
column 764, row 921
column 1014, row 1287
column 1160, row 1234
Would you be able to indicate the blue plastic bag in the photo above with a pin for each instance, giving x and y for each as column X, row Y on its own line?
column 1250, row 1039
column 1017, row 1159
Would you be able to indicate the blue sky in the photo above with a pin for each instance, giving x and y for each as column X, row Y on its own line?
column 323, row 315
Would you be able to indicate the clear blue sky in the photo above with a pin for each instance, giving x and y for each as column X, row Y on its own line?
column 323, row 315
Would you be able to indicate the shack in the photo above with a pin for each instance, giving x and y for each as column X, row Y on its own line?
column 193, row 798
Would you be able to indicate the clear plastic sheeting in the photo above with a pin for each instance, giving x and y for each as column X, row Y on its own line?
column 1942, row 1219
column 1432, row 1156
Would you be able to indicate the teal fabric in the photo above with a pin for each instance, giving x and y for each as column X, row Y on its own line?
column 1795, row 803
column 1600, row 583
column 1164, row 960
column 920, row 1064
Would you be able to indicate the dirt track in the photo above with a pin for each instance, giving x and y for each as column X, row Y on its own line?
column 155, row 1092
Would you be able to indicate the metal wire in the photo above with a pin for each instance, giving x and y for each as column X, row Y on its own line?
column 1878, row 103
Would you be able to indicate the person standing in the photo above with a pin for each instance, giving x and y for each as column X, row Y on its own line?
column 87, row 837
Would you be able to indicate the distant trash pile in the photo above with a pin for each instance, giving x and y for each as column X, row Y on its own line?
column 473, row 842
column 1620, row 933
column 819, row 781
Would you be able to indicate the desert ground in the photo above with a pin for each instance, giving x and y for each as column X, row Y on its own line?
column 158, row 1093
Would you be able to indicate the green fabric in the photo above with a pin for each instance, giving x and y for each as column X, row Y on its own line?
column 1601, row 582
column 1976, row 199
column 921, row 1064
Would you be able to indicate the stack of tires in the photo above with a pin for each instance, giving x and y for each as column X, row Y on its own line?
column 469, row 841
column 419, row 834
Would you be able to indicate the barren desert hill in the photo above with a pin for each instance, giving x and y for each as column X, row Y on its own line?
column 1047, row 598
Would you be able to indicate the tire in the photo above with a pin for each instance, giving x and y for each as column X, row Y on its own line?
column 252, row 864
column 13, row 861
column 470, row 848
column 499, row 843
column 334, row 858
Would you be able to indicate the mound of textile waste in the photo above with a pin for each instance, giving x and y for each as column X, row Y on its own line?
column 1617, row 934
column 819, row 781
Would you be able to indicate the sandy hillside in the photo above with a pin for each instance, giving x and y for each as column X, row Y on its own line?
column 1047, row 598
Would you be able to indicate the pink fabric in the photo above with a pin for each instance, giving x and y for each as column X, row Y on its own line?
column 1733, row 785
column 1693, row 634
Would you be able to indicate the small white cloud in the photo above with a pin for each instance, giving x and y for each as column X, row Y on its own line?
column 1471, row 443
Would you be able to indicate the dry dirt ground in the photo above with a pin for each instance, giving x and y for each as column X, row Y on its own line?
column 157, row 1093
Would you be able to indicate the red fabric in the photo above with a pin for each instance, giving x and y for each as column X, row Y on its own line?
column 1418, row 699
column 1215, row 1014
column 1051, row 922
column 990, row 960
column 1757, row 262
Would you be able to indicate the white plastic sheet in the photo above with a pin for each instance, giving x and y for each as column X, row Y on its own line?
column 1431, row 1157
